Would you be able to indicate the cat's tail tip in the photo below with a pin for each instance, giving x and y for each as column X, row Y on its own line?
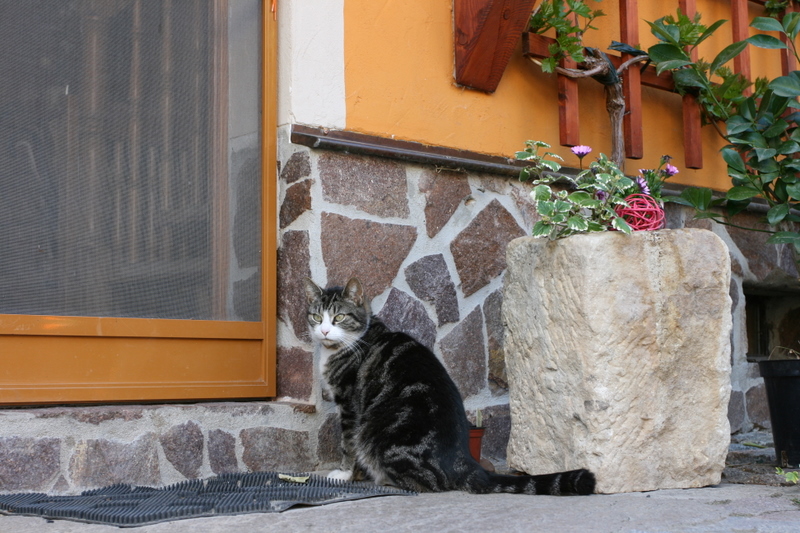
column 584, row 482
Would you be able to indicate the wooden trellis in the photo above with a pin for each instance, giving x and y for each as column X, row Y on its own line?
column 471, row 38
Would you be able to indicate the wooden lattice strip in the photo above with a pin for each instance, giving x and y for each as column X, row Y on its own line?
column 569, row 124
column 631, row 82
column 692, row 139
column 740, row 22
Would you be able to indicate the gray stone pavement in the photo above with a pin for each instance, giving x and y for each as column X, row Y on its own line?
column 722, row 508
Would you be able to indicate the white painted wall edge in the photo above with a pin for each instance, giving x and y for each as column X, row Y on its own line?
column 311, row 88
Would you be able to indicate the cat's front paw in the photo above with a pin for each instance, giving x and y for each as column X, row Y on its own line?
column 341, row 475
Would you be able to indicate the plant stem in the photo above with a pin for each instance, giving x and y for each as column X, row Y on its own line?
column 731, row 224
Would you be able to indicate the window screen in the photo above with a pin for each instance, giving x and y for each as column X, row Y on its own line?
column 129, row 158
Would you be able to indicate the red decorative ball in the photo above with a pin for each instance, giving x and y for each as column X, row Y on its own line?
column 643, row 212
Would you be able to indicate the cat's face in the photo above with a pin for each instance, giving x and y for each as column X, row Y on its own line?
column 337, row 317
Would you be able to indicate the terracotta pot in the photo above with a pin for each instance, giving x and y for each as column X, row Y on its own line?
column 475, row 439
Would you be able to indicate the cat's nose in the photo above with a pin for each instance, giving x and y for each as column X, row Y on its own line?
column 325, row 331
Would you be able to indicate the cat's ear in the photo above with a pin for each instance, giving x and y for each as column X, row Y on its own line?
column 354, row 292
column 312, row 290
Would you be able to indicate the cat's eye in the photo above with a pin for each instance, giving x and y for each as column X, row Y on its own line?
column 316, row 318
column 338, row 318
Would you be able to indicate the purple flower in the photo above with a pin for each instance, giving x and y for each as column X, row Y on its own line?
column 581, row 150
column 601, row 195
column 642, row 183
column 670, row 170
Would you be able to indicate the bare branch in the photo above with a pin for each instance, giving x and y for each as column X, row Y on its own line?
column 631, row 61
column 573, row 72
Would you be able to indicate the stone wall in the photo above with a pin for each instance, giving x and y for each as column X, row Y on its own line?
column 69, row 449
column 429, row 246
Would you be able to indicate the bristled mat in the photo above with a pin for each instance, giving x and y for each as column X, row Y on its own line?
column 228, row 494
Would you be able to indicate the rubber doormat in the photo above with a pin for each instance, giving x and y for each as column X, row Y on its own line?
column 227, row 494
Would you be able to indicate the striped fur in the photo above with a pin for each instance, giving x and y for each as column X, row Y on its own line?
column 402, row 418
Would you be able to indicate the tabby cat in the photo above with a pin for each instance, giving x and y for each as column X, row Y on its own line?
column 402, row 418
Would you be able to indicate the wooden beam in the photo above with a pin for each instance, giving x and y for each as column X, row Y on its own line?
column 692, row 139
column 788, row 61
column 631, row 82
column 486, row 33
column 740, row 23
column 569, row 123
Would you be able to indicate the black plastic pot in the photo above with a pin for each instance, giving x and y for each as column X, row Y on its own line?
column 782, row 381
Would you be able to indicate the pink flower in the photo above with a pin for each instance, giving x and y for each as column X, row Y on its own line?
column 581, row 150
column 642, row 183
column 670, row 170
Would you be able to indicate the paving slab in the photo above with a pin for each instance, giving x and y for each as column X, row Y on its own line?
column 721, row 508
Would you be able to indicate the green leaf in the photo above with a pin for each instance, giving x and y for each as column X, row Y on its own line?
column 788, row 147
column 662, row 32
column 767, row 24
column 689, row 78
column 541, row 229
column 786, row 86
column 734, row 207
column 706, row 214
column 563, row 207
column 791, row 24
column 755, row 139
column 776, row 129
column 580, row 197
column 596, row 226
column 542, row 193
column 671, row 65
column 765, row 153
column 678, row 200
column 576, row 223
column 777, row 104
column 785, row 237
column 552, row 165
column 737, row 124
column 733, row 159
column 748, row 108
column 549, row 65
column 709, row 31
column 545, row 209
column 777, row 213
column 727, row 53
column 766, row 41
column 697, row 197
column 667, row 52
column 619, row 224
column 793, row 190
column 764, row 166
column 742, row 192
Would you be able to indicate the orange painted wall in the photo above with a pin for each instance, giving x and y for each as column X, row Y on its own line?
column 399, row 63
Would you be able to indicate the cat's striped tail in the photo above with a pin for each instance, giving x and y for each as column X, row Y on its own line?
column 580, row 482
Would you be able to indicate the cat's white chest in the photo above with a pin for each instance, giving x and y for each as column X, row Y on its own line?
column 324, row 356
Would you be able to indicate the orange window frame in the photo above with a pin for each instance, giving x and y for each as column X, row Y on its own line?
column 58, row 359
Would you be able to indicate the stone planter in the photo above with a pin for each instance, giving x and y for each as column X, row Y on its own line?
column 618, row 357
